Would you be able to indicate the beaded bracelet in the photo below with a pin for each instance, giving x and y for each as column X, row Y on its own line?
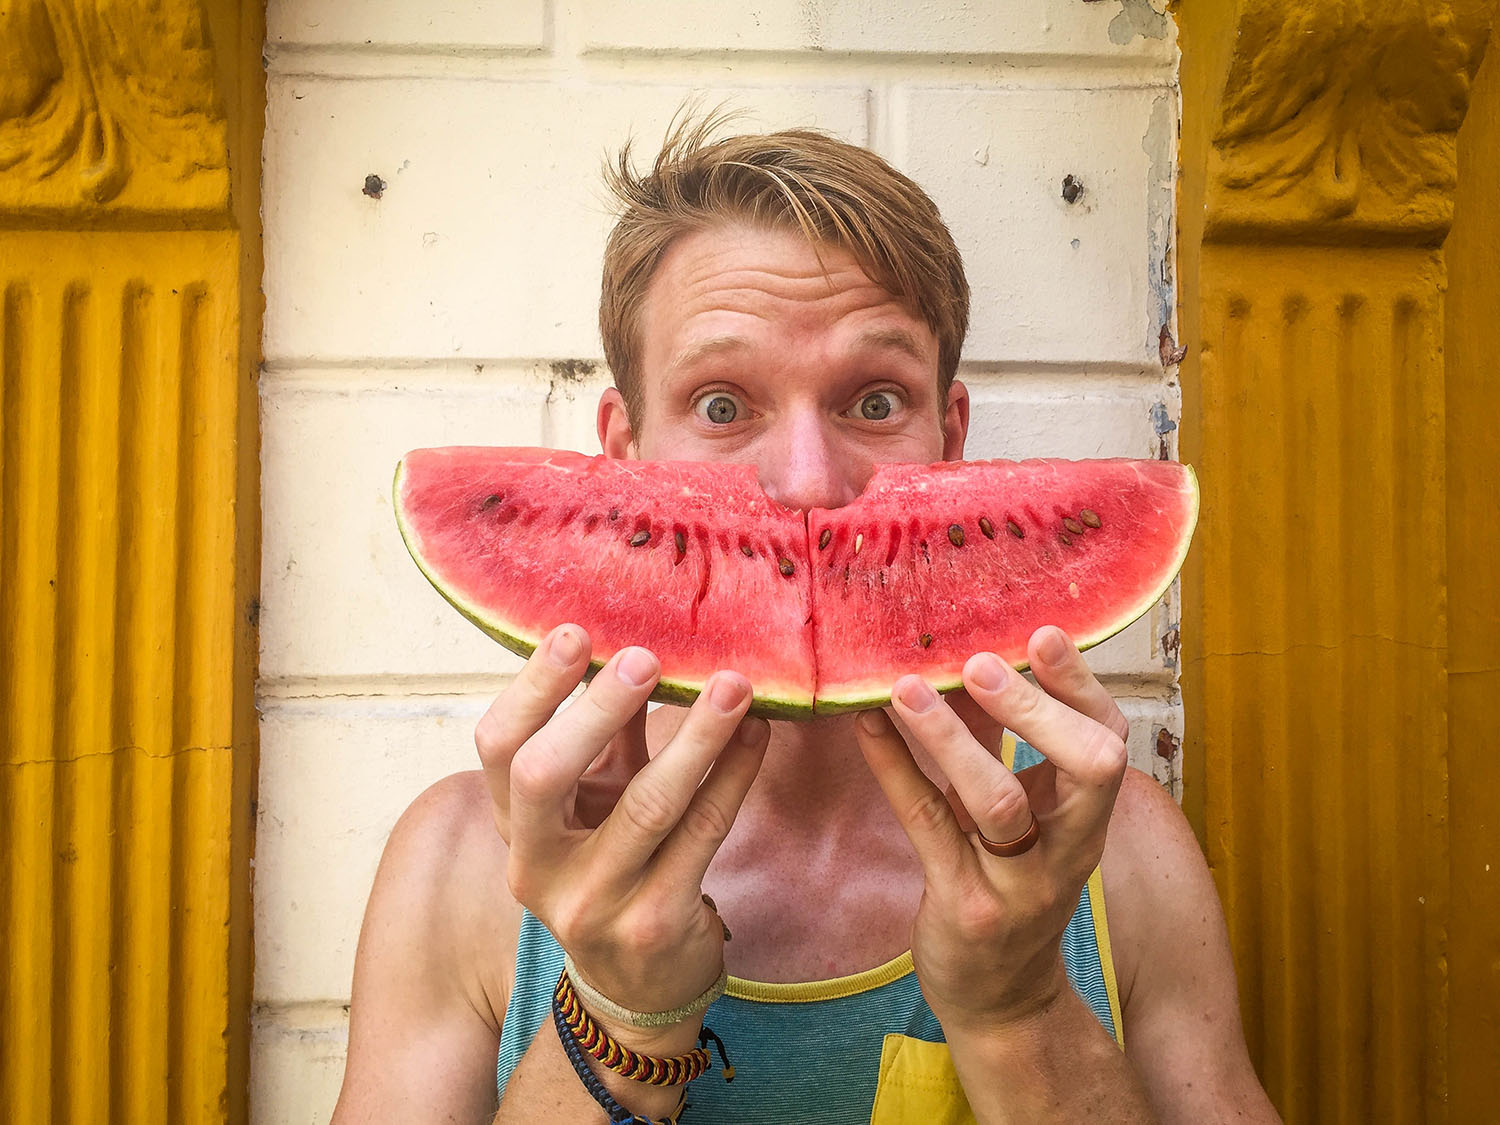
column 604, row 1006
column 653, row 1070
column 618, row 1114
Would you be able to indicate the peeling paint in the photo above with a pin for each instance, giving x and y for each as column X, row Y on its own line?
column 573, row 370
column 814, row 22
column 1171, row 646
column 1161, row 135
column 1161, row 420
column 1138, row 17
column 1167, row 744
column 1072, row 188
column 1168, row 349
column 374, row 186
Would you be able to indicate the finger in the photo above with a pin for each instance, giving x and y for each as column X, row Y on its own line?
column 546, row 770
column 533, row 697
column 625, row 755
column 960, row 813
column 920, row 807
column 1084, row 753
column 994, row 798
column 606, row 778
column 684, row 857
column 656, row 799
column 1064, row 674
column 982, row 725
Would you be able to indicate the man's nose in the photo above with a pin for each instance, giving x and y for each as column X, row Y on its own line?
column 807, row 466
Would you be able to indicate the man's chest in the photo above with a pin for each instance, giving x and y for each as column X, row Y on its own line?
column 802, row 917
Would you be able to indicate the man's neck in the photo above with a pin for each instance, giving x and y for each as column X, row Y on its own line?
column 813, row 777
column 817, row 877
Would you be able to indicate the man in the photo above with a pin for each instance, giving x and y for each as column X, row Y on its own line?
column 792, row 302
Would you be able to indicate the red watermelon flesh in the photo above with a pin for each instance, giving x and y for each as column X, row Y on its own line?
column 824, row 609
column 933, row 564
column 522, row 540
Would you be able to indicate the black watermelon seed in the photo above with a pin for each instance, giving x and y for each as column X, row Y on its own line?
column 1090, row 517
column 614, row 514
column 825, row 539
column 986, row 527
column 955, row 535
column 1073, row 526
column 1015, row 529
column 1064, row 538
column 748, row 552
column 640, row 538
column 786, row 567
column 926, row 639
column 490, row 501
column 681, row 540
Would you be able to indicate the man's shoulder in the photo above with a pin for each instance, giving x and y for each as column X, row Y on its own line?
column 1155, row 876
column 448, row 831
column 1145, row 813
column 443, row 873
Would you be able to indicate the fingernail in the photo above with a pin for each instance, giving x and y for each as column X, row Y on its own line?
column 726, row 693
column 917, row 695
column 1051, row 648
column 986, row 672
column 566, row 648
column 636, row 667
column 872, row 722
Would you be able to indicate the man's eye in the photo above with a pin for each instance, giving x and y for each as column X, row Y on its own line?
column 720, row 409
column 877, row 406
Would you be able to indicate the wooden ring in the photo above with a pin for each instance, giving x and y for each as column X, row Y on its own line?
column 1012, row 848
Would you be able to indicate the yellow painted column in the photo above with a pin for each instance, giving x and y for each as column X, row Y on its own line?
column 1471, row 348
column 129, row 321
column 1319, row 172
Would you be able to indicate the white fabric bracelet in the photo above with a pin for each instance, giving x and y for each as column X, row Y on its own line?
column 599, row 1004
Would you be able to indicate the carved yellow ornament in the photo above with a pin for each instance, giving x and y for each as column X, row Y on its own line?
column 1341, row 117
column 109, row 106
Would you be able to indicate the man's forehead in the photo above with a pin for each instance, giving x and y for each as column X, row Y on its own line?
column 884, row 338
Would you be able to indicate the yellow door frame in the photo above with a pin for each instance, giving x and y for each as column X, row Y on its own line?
column 130, row 304
column 1319, row 173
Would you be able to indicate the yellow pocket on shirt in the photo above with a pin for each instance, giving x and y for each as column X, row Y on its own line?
column 917, row 1083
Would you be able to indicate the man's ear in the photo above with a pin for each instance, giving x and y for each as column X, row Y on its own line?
column 956, row 422
column 612, row 421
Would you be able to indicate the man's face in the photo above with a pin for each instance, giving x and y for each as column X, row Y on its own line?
column 754, row 351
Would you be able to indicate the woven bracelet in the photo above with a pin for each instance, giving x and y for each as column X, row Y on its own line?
column 618, row 1114
column 602, row 1005
column 653, row 1070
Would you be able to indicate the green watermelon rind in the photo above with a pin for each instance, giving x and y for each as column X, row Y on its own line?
column 512, row 637
column 684, row 692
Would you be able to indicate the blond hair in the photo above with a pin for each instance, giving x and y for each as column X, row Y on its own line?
column 833, row 192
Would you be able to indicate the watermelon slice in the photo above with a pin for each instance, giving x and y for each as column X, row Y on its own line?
column 822, row 610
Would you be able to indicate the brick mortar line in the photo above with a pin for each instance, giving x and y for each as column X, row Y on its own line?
column 775, row 69
column 289, row 368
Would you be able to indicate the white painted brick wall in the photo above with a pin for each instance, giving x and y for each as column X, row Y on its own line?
column 459, row 306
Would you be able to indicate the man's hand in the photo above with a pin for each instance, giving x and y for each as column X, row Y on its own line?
column 985, row 940
column 607, row 846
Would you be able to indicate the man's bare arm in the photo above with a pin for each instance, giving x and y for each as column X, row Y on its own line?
column 1181, row 1010
column 431, row 972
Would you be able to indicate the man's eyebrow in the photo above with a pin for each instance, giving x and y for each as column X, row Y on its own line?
column 874, row 339
column 711, row 345
column 892, row 339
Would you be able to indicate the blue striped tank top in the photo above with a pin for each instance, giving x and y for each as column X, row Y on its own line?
column 857, row 1049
